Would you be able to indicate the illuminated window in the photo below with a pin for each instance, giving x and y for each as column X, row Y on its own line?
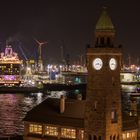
column 128, row 135
column 133, row 134
column 51, row 130
column 113, row 116
column 124, row 136
column 81, row 134
column 114, row 113
column 68, row 133
column 35, row 129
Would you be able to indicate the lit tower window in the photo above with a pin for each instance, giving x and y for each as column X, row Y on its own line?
column 114, row 113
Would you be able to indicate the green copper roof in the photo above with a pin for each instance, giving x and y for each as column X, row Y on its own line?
column 104, row 23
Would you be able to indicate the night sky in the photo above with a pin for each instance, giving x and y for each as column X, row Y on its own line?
column 70, row 23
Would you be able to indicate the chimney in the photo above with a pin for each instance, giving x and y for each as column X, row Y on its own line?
column 62, row 104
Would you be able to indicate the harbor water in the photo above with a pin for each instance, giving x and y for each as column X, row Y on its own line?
column 14, row 107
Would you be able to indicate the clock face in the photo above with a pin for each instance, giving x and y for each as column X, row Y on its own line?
column 97, row 63
column 112, row 63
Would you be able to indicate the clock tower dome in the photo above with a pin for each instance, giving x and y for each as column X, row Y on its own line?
column 103, row 118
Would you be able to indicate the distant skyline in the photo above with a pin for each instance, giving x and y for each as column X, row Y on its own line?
column 68, row 23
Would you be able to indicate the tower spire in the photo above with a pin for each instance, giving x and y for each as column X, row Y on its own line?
column 104, row 31
column 104, row 23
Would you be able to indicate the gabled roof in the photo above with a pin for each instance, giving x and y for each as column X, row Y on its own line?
column 104, row 23
column 49, row 112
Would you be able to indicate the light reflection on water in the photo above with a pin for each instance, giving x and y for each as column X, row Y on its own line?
column 13, row 108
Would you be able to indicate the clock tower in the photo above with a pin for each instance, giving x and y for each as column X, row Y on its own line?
column 103, row 118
